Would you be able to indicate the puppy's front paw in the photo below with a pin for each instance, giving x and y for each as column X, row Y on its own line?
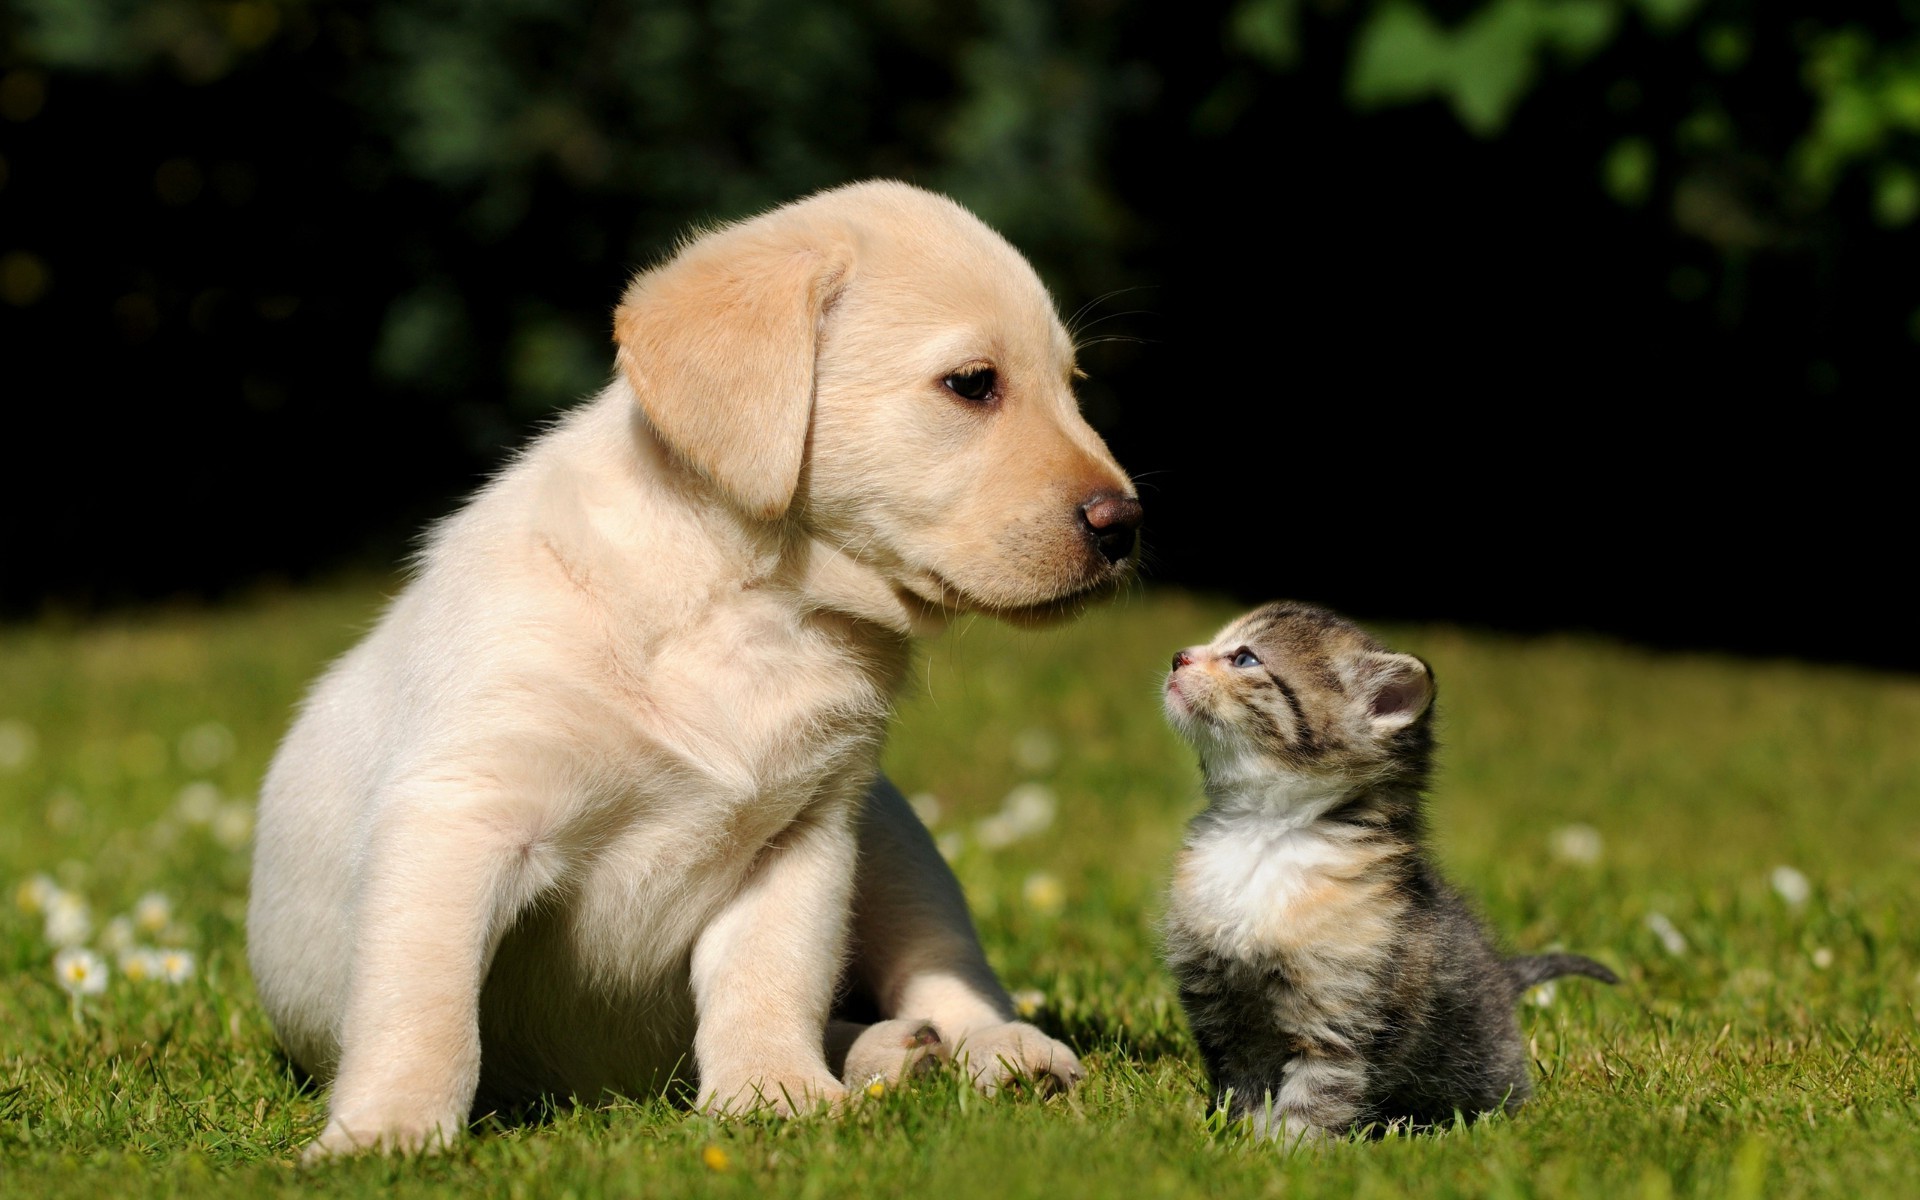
column 782, row 1095
column 889, row 1051
column 999, row 1054
column 393, row 1135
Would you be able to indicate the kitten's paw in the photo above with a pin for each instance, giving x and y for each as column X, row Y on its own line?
column 889, row 1051
column 783, row 1095
column 1288, row 1131
column 998, row 1054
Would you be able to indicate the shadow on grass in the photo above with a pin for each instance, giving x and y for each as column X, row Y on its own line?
column 1086, row 1031
column 304, row 1084
column 1089, row 1031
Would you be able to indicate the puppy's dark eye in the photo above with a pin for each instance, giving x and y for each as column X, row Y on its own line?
column 1244, row 657
column 975, row 385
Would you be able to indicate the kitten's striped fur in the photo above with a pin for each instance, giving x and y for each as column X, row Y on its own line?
column 1331, row 977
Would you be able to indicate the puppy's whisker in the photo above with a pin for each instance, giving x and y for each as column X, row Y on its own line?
column 1113, row 316
column 1073, row 322
column 1128, row 339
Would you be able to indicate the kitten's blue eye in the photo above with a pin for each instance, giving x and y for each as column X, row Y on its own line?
column 1244, row 657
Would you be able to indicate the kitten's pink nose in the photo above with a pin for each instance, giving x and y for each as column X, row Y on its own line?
column 1182, row 659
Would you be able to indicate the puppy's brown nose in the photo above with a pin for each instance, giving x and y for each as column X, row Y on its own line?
column 1112, row 520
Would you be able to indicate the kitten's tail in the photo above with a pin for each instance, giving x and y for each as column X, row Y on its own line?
column 1525, row 970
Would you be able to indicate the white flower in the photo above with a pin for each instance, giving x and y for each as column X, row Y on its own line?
column 1027, row 1002
column 197, row 802
column 1027, row 810
column 1791, row 886
column 68, row 920
column 176, row 966
column 1035, row 750
column 18, row 742
column 233, row 825
column 35, row 893
column 1822, row 958
column 205, row 746
column 152, row 911
column 1578, row 843
column 117, row 935
column 995, row 831
column 1030, row 807
column 1541, row 994
column 80, row 971
column 1670, row 937
column 140, row 963
column 1044, row 894
column 926, row 806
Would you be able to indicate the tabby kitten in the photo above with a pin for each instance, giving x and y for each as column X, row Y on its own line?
column 1331, row 977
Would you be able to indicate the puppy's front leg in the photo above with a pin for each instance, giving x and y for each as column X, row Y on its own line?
column 444, row 877
column 764, row 971
column 917, row 954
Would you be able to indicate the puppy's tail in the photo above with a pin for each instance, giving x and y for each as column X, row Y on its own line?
column 1525, row 970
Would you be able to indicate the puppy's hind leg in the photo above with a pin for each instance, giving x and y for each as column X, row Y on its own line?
column 446, row 875
column 883, row 1053
column 917, row 955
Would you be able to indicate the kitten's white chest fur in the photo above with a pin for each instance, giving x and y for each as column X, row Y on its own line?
column 1249, row 862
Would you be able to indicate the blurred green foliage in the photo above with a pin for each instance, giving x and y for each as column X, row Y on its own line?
column 648, row 99
column 1485, row 59
column 713, row 108
column 719, row 107
column 1484, row 65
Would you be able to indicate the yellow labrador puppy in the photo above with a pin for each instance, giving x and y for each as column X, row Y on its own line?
column 596, row 802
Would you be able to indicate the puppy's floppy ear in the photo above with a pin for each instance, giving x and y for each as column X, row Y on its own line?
column 719, row 345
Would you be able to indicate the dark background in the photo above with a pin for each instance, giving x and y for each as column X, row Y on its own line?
column 1526, row 313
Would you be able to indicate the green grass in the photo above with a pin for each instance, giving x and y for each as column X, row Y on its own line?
column 1775, row 1055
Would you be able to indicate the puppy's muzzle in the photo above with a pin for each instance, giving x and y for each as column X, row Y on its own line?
column 1113, row 522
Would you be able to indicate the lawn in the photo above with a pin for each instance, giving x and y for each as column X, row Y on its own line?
column 1632, row 806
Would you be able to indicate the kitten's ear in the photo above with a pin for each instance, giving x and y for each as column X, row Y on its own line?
column 1398, row 688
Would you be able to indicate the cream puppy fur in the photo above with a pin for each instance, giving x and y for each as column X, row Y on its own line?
column 595, row 804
